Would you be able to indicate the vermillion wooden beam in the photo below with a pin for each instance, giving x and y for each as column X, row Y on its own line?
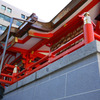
column 5, row 81
column 24, row 40
column 39, row 55
column 40, row 35
column 43, row 51
column 15, row 49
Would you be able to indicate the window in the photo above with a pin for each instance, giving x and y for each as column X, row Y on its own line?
column 9, row 10
column 22, row 16
column 4, row 17
column 3, row 7
column 2, row 27
column 18, row 23
column 7, row 18
column 1, row 16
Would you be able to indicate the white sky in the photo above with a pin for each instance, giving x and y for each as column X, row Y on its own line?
column 44, row 9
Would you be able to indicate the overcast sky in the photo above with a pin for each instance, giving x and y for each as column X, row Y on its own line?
column 44, row 9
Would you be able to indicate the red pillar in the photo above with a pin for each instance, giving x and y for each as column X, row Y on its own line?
column 88, row 29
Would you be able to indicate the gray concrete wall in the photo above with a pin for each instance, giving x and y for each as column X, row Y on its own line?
column 73, row 77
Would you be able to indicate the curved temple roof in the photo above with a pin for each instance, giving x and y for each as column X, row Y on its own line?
column 41, row 27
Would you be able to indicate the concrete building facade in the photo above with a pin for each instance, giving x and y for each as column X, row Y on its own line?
column 74, row 77
column 6, row 12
